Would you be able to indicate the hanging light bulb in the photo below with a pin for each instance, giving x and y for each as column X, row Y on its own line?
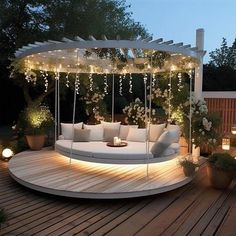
column 130, row 83
column 67, row 80
column 44, row 74
column 180, row 86
column 154, row 80
column 120, row 83
column 77, row 83
column 91, row 82
column 145, row 78
column 105, row 84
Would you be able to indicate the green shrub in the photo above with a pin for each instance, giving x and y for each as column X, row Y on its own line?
column 222, row 161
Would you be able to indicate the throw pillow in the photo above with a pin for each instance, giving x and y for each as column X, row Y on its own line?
column 81, row 135
column 137, row 135
column 124, row 130
column 67, row 129
column 155, row 132
column 96, row 133
column 107, row 128
column 162, row 144
column 174, row 128
column 109, row 134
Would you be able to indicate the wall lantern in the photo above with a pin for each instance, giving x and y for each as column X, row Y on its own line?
column 233, row 129
column 7, row 153
column 226, row 143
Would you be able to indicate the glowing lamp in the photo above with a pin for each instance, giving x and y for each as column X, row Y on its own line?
column 7, row 153
column 233, row 129
column 226, row 143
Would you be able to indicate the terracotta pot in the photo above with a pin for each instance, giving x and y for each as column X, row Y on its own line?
column 219, row 179
column 35, row 142
column 189, row 171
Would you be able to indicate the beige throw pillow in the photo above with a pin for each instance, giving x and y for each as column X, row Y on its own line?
column 81, row 135
column 67, row 129
column 110, row 133
column 137, row 135
column 155, row 131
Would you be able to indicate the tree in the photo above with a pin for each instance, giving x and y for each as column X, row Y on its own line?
column 26, row 21
column 220, row 72
column 224, row 56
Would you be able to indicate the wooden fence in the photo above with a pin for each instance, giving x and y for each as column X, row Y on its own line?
column 225, row 105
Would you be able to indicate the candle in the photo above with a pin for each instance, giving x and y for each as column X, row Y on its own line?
column 115, row 140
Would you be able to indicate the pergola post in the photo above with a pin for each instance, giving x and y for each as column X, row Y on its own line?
column 199, row 68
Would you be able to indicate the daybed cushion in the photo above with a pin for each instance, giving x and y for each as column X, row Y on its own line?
column 67, row 129
column 109, row 134
column 96, row 133
column 137, row 135
column 155, row 131
column 111, row 125
column 81, row 135
column 133, row 151
column 124, row 130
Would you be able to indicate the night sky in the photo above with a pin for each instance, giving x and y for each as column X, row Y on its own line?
column 179, row 19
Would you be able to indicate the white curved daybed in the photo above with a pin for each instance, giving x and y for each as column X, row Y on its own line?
column 133, row 153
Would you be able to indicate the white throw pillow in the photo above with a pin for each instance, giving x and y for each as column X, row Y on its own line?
column 155, row 132
column 162, row 144
column 67, row 129
column 111, row 125
column 96, row 133
column 137, row 135
column 174, row 128
column 124, row 130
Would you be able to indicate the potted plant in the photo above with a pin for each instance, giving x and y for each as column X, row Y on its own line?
column 35, row 122
column 220, row 169
column 189, row 167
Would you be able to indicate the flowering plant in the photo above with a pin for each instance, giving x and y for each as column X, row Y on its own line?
column 135, row 113
column 35, row 120
column 94, row 104
column 204, row 124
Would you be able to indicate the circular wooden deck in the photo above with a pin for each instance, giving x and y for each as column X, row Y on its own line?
column 50, row 172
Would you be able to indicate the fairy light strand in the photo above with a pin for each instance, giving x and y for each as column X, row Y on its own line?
column 91, row 82
column 44, row 74
column 120, row 85
column 180, row 85
column 77, row 84
column 130, row 83
column 105, row 84
column 67, row 80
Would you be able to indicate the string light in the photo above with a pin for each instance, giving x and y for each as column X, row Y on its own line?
column 105, row 84
column 91, row 82
column 145, row 78
column 30, row 76
column 169, row 97
column 121, row 84
column 77, row 83
column 44, row 74
column 180, row 86
column 130, row 83
column 57, row 75
column 67, row 80
column 154, row 80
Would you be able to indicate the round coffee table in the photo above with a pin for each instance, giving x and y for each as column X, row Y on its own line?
column 122, row 144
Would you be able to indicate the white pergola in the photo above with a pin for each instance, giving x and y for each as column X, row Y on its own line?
column 69, row 56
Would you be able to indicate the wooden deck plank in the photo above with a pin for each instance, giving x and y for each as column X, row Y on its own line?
column 50, row 172
column 193, row 209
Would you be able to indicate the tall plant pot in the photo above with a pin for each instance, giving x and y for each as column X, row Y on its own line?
column 219, row 179
column 35, row 142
